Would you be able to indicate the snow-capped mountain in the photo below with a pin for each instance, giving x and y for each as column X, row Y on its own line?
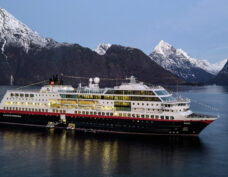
column 181, row 64
column 14, row 32
column 102, row 48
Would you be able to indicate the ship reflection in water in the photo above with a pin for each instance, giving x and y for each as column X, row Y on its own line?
column 67, row 153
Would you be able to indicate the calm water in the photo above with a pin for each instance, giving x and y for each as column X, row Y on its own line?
column 48, row 153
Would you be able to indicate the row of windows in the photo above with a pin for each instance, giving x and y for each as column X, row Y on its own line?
column 94, row 113
column 130, row 98
column 25, row 99
column 25, row 103
column 59, row 111
column 21, row 95
column 130, row 92
column 124, row 104
column 25, row 109
column 125, row 115
column 68, row 96
column 89, row 91
column 180, row 104
column 27, row 95
column 144, row 104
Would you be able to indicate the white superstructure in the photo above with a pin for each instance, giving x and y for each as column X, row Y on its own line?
column 127, row 100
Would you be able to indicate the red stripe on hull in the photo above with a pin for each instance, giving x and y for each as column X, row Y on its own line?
column 98, row 116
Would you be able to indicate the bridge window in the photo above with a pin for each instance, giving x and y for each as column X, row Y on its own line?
column 161, row 92
column 169, row 98
column 70, row 96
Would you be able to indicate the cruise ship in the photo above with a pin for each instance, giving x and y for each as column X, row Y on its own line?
column 130, row 108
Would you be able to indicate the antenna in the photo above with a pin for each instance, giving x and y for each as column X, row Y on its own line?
column 11, row 80
column 177, row 89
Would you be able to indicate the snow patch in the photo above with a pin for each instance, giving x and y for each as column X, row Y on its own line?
column 102, row 48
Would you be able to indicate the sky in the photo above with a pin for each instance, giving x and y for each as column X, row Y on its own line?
column 200, row 27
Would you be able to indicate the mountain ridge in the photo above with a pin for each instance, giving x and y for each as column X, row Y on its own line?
column 212, row 68
column 29, row 58
column 181, row 64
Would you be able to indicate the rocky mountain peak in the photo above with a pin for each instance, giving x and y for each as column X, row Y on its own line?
column 14, row 32
column 164, row 48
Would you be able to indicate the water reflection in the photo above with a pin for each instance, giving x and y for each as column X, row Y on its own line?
column 61, row 152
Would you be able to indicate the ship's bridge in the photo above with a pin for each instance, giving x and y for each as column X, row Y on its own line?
column 56, row 88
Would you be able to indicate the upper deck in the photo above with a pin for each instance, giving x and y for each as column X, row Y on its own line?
column 131, row 91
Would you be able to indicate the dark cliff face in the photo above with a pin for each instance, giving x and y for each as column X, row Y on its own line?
column 73, row 60
column 129, row 61
column 222, row 77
